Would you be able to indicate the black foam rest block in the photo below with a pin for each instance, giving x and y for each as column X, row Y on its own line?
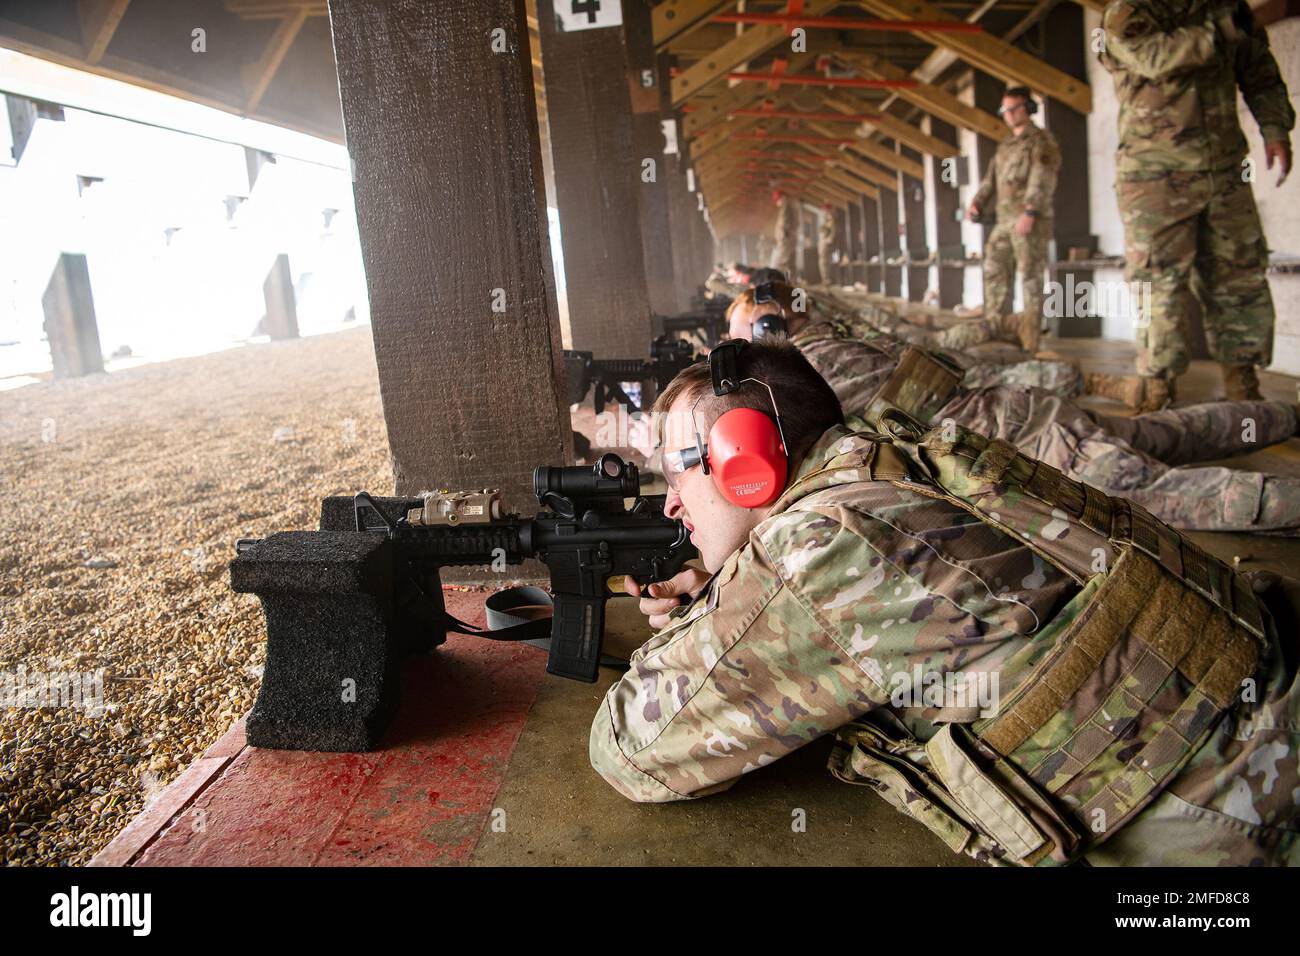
column 314, row 562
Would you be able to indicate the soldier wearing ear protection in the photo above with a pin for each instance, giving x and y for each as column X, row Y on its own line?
column 1020, row 184
column 890, row 558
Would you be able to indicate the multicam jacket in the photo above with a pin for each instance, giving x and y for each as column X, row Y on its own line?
column 1022, row 175
column 840, row 597
column 1177, row 66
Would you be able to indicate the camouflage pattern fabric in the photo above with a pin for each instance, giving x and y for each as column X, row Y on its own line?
column 1208, row 498
column 848, row 589
column 1121, row 456
column 1205, row 224
column 786, row 239
column 1177, row 66
column 1007, row 252
column 803, row 628
column 1022, row 176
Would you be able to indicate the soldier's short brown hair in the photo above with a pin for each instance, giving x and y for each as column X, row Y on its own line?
column 807, row 404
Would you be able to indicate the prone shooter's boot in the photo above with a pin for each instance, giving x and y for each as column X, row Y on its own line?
column 1241, row 384
column 1144, row 393
column 1029, row 328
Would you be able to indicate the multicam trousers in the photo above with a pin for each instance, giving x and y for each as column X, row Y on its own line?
column 1007, row 252
column 1134, row 457
column 1207, row 224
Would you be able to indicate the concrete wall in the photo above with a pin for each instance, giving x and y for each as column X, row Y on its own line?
column 1277, row 206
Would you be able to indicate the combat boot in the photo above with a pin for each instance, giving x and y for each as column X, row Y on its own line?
column 1141, row 392
column 1241, row 384
column 1028, row 329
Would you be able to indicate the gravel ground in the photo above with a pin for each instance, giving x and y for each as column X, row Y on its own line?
column 128, row 492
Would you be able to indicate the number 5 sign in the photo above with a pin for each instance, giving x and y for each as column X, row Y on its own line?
column 588, row 14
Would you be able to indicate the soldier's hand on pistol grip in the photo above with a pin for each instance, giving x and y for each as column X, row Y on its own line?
column 662, row 597
column 973, row 213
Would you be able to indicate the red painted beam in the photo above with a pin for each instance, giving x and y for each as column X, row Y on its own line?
column 789, row 22
column 808, row 79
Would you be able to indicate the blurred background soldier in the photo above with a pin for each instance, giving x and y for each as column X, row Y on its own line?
column 787, row 233
column 1184, row 184
column 1020, row 182
column 826, row 243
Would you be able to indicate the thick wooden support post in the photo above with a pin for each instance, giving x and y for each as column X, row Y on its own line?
column 841, row 269
column 70, row 323
column 874, row 275
column 1066, row 48
column 912, row 196
column 947, row 206
column 855, row 244
column 281, row 319
column 891, row 242
column 681, row 211
column 452, row 214
column 645, row 83
column 597, row 185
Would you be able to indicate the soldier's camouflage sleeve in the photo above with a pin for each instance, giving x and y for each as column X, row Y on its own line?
column 725, row 691
column 1136, row 41
column 1044, row 166
column 1262, row 86
column 988, row 188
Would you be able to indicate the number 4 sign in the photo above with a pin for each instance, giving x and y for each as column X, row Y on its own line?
column 588, row 14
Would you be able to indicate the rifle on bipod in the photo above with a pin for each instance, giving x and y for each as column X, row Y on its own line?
column 346, row 604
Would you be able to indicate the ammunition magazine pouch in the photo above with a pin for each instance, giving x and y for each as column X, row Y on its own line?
column 920, row 385
column 1150, row 654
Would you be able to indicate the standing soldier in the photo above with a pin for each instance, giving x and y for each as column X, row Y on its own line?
column 1021, row 180
column 1184, row 184
column 787, row 233
column 826, row 243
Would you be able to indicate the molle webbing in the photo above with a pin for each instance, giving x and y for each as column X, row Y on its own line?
column 920, row 385
column 1176, row 664
column 1124, row 523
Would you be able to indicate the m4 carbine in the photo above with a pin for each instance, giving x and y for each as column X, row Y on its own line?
column 346, row 604
column 668, row 356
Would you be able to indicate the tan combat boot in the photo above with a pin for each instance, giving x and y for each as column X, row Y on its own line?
column 1241, row 384
column 1028, row 330
column 1140, row 392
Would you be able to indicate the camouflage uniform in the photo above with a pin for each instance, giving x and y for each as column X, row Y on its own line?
column 1022, row 176
column 787, row 235
column 1129, row 457
column 848, row 587
column 825, row 246
column 1186, row 208
column 958, row 337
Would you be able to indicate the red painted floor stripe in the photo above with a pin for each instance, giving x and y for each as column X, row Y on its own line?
column 422, row 800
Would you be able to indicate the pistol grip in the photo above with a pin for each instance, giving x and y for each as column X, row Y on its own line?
column 577, row 627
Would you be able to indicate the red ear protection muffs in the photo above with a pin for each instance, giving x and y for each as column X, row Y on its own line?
column 746, row 458
column 746, row 452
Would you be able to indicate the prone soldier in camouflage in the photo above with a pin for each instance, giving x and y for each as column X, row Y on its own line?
column 1145, row 458
column 1020, row 184
column 826, row 244
column 1140, row 707
column 885, row 317
column 1183, row 189
column 786, row 241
